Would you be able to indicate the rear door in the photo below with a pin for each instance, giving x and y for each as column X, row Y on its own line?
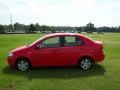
column 72, row 49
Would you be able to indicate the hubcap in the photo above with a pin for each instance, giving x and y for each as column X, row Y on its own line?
column 85, row 64
column 22, row 65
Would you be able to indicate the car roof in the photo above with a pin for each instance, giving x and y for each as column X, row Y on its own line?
column 63, row 34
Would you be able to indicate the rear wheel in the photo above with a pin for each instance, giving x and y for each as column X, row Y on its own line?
column 23, row 65
column 85, row 63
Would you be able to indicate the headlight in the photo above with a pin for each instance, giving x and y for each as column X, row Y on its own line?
column 10, row 54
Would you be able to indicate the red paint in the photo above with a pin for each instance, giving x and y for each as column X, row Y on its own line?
column 59, row 56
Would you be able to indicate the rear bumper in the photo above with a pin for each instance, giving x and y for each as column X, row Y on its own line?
column 100, row 57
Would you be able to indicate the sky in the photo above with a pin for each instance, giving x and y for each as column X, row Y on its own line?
column 61, row 12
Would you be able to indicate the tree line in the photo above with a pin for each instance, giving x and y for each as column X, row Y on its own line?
column 36, row 28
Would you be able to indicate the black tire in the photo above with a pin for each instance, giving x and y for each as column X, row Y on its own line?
column 23, row 64
column 85, row 63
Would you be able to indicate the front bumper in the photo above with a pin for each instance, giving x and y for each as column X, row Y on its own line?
column 10, row 61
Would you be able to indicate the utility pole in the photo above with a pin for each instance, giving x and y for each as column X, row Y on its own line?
column 12, row 27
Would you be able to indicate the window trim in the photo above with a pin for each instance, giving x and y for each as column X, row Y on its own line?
column 50, row 38
column 75, row 38
column 61, row 42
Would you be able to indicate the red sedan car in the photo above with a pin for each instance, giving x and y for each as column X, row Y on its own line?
column 58, row 49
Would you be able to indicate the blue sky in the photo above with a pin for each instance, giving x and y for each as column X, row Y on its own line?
column 61, row 12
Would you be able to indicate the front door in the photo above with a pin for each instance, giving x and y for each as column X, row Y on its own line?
column 50, row 53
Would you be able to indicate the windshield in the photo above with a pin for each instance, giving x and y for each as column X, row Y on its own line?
column 36, row 41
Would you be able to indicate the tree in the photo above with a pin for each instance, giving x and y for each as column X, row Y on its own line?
column 37, row 26
column 31, row 29
column 78, row 29
column 90, row 28
column 17, row 27
column 2, row 29
column 53, row 29
column 11, row 28
column 45, row 29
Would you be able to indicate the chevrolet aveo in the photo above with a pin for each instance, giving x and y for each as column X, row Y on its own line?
column 58, row 49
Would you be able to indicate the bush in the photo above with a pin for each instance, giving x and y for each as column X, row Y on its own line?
column 2, row 32
column 2, row 29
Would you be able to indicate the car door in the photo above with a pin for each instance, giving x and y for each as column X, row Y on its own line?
column 72, row 49
column 49, row 53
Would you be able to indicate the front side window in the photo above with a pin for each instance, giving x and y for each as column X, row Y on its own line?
column 72, row 41
column 50, row 43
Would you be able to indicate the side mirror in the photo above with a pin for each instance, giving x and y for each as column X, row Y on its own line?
column 42, row 45
column 37, row 47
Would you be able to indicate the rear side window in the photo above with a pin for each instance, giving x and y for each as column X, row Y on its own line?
column 72, row 41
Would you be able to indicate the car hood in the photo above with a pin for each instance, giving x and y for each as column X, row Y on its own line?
column 20, row 48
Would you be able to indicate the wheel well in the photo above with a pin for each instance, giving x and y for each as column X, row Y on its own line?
column 89, row 57
column 24, row 58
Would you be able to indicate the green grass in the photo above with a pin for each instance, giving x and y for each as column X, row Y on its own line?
column 103, row 76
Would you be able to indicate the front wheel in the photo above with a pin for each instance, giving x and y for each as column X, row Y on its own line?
column 22, row 65
column 85, row 63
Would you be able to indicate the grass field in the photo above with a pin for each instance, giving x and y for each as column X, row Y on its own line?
column 103, row 76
